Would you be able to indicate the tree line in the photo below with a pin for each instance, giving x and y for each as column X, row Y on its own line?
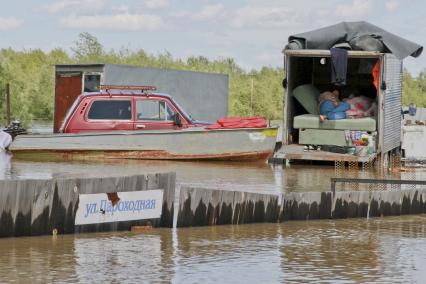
column 30, row 74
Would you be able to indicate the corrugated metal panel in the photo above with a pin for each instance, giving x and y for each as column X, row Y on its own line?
column 392, row 103
column 79, row 67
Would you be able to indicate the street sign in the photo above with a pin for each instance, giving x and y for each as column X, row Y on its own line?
column 121, row 206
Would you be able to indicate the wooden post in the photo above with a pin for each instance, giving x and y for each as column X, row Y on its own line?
column 251, row 95
column 7, row 104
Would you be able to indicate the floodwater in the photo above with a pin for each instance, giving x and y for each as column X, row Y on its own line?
column 242, row 176
column 238, row 176
column 384, row 250
column 381, row 250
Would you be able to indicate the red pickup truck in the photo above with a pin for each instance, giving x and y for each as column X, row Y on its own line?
column 125, row 109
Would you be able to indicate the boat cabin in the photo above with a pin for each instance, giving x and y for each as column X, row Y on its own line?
column 204, row 95
column 125, row 108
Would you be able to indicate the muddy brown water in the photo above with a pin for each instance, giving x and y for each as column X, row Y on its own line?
column 239, row 176
column 382, row 250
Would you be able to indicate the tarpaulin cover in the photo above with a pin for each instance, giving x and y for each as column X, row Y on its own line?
column 239, row 122
column 355, row 35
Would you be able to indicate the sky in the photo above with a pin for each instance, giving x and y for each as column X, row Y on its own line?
column 252, row 32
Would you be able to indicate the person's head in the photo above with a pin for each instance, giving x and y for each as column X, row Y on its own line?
column 336, row 90
column 335, row 93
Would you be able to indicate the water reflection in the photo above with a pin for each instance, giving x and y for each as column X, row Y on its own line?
column 248, row 176
column 256, row 177
column 229, row 254
column 40, row 259
column 128, row 258
column 5, row 164
column 346, row 251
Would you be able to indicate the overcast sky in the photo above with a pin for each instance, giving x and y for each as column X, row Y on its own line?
column 253, row 32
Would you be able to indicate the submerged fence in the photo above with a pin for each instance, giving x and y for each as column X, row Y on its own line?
column 40, row 207
column 205, row 207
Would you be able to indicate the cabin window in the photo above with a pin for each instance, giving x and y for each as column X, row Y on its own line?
column 111, row 109
column 92, row 82
column 153, row 110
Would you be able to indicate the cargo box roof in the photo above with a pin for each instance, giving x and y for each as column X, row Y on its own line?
column 357, row 36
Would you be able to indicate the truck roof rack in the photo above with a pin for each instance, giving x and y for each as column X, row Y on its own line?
column 143, row 89
column 127, row 87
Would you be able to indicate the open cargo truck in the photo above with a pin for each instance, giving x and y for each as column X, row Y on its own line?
column 308, row 67
column 305, row 67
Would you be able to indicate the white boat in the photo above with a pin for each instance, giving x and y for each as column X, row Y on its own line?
column 194, row 143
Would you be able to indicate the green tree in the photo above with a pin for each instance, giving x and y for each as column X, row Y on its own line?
column 414, row 89
column 87, row 48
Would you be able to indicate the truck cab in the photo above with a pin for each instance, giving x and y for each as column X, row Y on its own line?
column 125, row 110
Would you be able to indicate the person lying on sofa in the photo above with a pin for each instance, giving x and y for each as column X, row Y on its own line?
column 330, row 107
column 360, row 106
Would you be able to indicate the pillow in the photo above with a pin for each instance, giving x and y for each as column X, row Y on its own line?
column 307, row 95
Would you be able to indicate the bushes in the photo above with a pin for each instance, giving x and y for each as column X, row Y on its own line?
column 414, row 89
column 31, row 77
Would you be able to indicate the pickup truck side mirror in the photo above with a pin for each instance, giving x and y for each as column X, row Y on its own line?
column 176, row 120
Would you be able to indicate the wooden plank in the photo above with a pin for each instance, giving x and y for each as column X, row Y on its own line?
column 208, row 207
column 296, row 152
column 8, row 104
column 326, row 53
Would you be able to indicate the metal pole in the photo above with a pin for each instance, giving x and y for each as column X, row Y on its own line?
column 7, row 104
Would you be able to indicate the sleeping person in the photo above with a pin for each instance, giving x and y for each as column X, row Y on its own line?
column 330, row 107
column 360, row 106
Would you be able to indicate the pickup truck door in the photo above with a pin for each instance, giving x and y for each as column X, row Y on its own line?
column 153, row 114
column 105, row 114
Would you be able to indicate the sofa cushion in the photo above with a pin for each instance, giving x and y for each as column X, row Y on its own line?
column 307, row 95
column 323, row 137
column 310, row 121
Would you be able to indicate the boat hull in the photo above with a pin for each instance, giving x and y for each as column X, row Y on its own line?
column 187, row 144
